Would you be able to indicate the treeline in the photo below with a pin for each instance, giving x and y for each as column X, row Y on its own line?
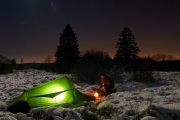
column 94, row 61
column 173, row 65
column 138, row 65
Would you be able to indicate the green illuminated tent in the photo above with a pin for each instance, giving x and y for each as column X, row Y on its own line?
column 54, row 92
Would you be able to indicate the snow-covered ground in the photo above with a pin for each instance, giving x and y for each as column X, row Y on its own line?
column 133, row 100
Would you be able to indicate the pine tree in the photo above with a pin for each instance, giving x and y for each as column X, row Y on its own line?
column 67, row 53
column 127, row 47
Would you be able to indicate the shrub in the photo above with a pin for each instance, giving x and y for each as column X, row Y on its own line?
column 142, row 70
column 143, row 76
column 6, row 68
column 5, row 65
column 91, row 64
column 116, row 72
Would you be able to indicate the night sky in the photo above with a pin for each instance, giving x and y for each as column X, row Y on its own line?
column 30, row 29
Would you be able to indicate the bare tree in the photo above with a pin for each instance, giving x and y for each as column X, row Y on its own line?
column 21, row 60
column 163, row 57
column 48, row 59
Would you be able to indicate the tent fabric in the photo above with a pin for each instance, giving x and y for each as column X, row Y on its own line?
column 55, row 92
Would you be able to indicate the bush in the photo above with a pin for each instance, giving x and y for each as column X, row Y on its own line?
column 143, row 76
column 91, row 64
column 116, row 73
column 6, row 68
column 142, row 70
column 5, row 65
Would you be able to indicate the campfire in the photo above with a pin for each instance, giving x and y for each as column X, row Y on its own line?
column 96, row 95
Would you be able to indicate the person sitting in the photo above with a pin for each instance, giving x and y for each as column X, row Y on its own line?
column 107, row 83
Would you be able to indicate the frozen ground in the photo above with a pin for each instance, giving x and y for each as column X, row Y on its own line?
column 133, row 100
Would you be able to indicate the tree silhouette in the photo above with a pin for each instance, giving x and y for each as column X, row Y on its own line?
column 48, row 62
column 67, row 53
column 127, row 47
column 163, row 57
column 4, row 60
column 48, row 59
column 13, row 63
column 5, row 65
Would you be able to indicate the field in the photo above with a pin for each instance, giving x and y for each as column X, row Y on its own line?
column 133, row 100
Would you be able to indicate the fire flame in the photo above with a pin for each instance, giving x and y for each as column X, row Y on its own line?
column 96, row 94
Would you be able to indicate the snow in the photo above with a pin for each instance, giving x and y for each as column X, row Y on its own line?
column 147, row 101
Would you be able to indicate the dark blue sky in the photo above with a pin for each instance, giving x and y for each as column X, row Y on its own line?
column 30, row 29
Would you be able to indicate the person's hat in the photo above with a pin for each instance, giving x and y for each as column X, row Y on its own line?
column 102, row 74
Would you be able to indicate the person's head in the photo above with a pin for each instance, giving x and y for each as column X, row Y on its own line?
column 102, row 75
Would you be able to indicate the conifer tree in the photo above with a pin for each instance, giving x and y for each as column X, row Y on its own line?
column 67, row 53
column 127, row 48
